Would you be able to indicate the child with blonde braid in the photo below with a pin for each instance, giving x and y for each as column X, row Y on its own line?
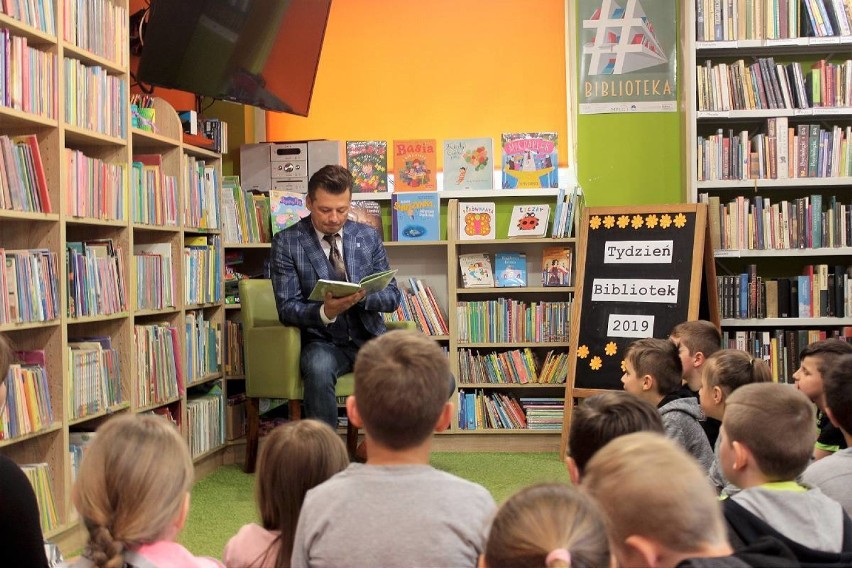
column 724, row 372
column 550, row 525
column 132, row 492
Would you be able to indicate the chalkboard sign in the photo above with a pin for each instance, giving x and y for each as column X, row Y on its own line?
column 638, row 275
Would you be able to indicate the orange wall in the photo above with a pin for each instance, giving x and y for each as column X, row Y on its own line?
column 436, row 69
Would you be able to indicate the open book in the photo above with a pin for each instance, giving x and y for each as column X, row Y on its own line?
column 372, row 283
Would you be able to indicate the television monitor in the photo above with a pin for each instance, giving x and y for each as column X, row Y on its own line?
column 263, row 53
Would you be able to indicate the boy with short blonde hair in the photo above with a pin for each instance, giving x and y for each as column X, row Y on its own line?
column 767, row 439
column 653, row 373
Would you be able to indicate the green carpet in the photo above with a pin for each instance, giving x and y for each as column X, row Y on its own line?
column 223, row 501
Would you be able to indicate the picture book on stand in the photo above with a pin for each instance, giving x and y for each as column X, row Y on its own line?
column 556, row 266
column 415, row 165
column 368, row 212
column 468, row 164
column 477, row 221
column 368, row 162
column 530, row 160
column 510, row 269
column 416, row 216
column 529, row 220
column 476, row 270
column 286, row 208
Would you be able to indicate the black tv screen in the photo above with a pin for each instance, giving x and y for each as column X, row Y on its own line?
column 263, row 53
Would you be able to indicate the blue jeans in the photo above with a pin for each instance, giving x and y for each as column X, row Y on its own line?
column 321, row 364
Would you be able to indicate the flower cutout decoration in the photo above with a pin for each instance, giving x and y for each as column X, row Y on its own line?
column 609, row 221
column 623, row 366
column 582, row 351
column 651, row 221
column 680, row 220
column 611, row 348
column 595, row 222
column 637, row 222
column 665, row 221
column 595, row 363
column 623, row 221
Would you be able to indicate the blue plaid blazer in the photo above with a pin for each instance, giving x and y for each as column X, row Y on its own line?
column 297, row 262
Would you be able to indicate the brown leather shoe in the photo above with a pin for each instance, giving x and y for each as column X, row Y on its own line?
column 361, row 452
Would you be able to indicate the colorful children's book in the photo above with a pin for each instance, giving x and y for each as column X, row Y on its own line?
column 286, row 208
column 529, row 220
column 415, row 165
column 368, row 162
column 530, row 160
column 556, row 266
column 510, row 269
column 416, row 216
column 477, row 221
column 468, row 164
column 476, row 270
column 368, row 212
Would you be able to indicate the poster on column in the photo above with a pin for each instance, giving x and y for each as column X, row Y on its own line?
column 628, row 56
column 641, row 273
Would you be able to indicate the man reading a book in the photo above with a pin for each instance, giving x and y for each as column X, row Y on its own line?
column 325, row 245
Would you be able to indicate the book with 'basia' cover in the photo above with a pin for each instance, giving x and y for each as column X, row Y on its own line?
column 415, row 165
column 468, row 164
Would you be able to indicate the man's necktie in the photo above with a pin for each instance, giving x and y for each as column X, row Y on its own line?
column 335, row 257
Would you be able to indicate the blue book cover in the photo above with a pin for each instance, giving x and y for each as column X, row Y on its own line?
column 530, row 160
column 510, row 269
column 468, row 164
column 416, row 216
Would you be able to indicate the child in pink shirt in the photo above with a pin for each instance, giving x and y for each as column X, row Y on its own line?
column 295, row 458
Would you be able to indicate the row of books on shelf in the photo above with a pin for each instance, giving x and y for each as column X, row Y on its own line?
column 23, row 184
column 155, row 284
column 420, row 306
column 203, row 267
column 765, row 84
column 499, row 411
column 758, row 224
column 38, row 14
column 100, row 26
column 159, row 368
column 29, row 286
column 94, row 188
column 27, row 76
column 529, row 160
column 510, row 269
column 504, row 320
column 94, row 99
column 28, row 403
column 780, row 348
column 40, row 478
column 822, row 291
column 246, row 216
column 202, row 188
column 803, row 151
column 233, row 358
column 521, row 366
column 96, row 280
column 94, row 370
column 154, row 195
column 206, row 419
column 771, row 19
column 203, row 354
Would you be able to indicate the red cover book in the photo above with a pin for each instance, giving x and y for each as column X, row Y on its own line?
column 415, row 165
column 41, row 179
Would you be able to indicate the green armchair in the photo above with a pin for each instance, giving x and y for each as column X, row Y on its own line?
column 272, row 354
